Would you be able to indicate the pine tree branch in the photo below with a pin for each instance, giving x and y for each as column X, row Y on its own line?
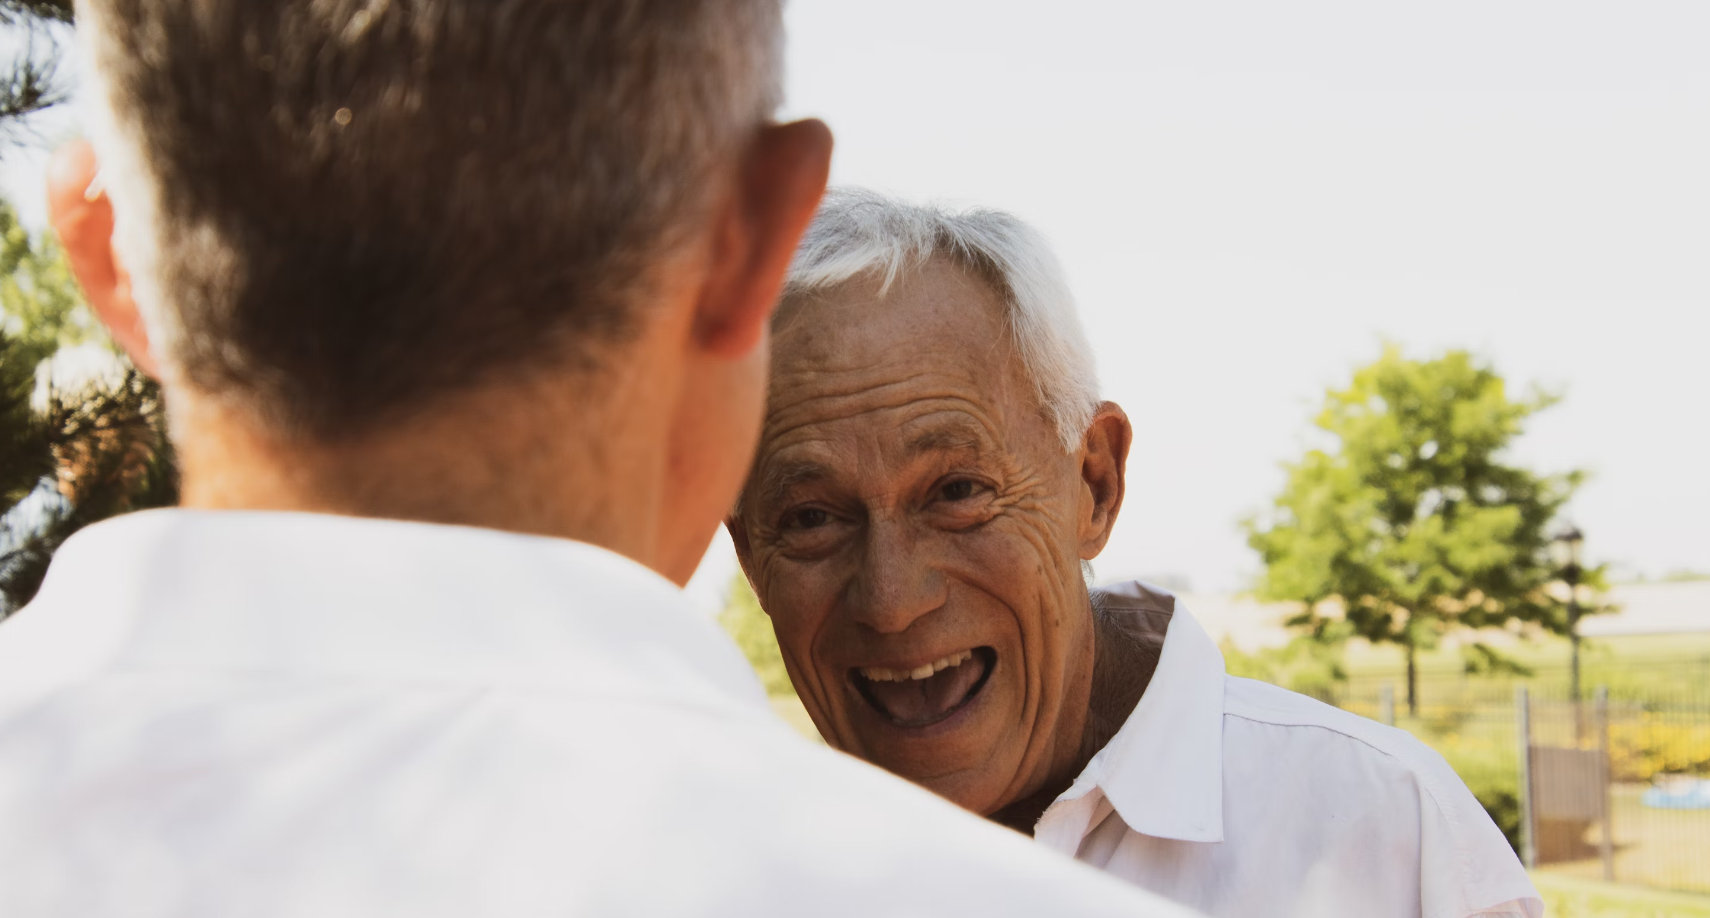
column 32, row 84
column 27, row 11
column 109, row 455
column 29, row 88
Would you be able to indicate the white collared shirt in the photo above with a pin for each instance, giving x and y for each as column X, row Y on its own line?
column 1239, row 798
column 220, row 714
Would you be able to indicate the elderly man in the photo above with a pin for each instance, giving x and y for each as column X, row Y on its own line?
column 934, row 467
column 460, row 307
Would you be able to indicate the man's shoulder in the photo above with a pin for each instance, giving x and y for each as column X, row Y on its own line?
column 1263, row 702
column 1342, row 761
column 877, row 840
column 574, row 799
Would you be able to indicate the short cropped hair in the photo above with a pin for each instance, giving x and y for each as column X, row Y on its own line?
column 863, row 233
column 338, row 210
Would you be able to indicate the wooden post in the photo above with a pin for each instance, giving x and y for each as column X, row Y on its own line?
column 1528, row 824
column 1386, row 704
column 1606, row 840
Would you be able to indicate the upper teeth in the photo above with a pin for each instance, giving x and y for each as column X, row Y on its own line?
column 881, row 674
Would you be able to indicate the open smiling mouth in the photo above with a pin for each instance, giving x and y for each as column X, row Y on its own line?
column 927, row 694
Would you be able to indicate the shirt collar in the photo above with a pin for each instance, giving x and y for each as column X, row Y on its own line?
column 287, row 594
column 1163, row 771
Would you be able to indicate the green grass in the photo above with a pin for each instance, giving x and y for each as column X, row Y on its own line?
column 1617, row 653
column 1567, row 897
column 1660, row 849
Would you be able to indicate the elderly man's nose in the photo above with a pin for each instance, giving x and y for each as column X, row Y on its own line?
column 898, row 582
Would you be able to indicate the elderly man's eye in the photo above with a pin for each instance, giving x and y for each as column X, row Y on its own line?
column 957, row 490
column 806, row 518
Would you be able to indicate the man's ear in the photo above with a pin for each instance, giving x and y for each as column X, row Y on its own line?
column 82, row 215
column 778, row 190
column 738, row 538
column 744, row 549
column 1104, row 473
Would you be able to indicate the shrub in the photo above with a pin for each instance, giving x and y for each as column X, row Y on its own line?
column 1641, row 750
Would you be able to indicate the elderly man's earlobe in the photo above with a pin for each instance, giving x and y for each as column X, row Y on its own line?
column 1104, row 469
column 738, row 536
column 82, row 214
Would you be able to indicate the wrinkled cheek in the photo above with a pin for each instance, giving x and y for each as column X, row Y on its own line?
column 820, row 695
column 804, row 640
column 794, row 646
column 820, row 688
column 1041, row 593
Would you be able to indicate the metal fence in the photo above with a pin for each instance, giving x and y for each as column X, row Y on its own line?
column 1615, row 785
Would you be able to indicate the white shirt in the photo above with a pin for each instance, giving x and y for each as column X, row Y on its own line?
column 1239, row 798
column 222, row 714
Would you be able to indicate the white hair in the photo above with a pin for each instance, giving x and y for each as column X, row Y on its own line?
column 861, row 232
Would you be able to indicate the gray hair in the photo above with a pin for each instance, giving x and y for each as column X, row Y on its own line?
column 335, row 211
column 860, row 232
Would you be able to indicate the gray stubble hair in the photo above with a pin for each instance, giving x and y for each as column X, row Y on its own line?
column 337, row 210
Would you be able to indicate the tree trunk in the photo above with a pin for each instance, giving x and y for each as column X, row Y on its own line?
column 1412, row 683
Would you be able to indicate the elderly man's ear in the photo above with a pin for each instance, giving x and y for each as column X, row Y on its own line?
column 734, row 525
column 1104, row 469
column 82, row 215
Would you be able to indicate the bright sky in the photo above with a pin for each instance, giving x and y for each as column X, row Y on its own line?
column 1250, row 197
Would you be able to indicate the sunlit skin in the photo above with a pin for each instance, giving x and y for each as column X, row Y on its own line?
column 911, row 503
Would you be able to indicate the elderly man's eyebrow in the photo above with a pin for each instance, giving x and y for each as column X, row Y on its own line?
column 951, row 437
column 779, row 477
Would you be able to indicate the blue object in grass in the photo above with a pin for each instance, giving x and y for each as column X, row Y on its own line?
column 1688, row 794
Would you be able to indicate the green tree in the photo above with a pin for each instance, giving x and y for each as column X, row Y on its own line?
column 25, row 457
column 68, row 458
column 1410, row 525
column 41, row 308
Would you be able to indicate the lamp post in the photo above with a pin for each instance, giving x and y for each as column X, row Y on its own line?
column 1566, row 546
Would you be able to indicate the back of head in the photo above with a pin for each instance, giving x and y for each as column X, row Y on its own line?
column 335, row 211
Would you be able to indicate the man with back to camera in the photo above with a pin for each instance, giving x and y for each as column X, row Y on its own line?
column 460, row 307
column 934, row 467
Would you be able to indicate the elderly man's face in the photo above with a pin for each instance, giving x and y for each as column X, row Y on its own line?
column 915, row 527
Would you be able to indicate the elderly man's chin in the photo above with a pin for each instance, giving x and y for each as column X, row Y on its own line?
column 942, row 728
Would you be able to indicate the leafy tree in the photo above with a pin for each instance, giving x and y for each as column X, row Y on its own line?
column 108, row 454
column 40, row 305
column 67, row 458
column 25, row 458
column 1411, row 525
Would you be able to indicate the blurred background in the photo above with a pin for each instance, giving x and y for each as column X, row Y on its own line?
column 1253, row 202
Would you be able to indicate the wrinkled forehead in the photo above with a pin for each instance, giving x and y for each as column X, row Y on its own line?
column 928, row 364
column 935, row 323
column 861, row 331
